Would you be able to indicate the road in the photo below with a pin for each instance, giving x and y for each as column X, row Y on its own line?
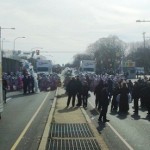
column 23, row 120
column 123, row 132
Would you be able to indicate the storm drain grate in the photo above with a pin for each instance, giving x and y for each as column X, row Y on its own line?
column 70, row 130
column 73, row 144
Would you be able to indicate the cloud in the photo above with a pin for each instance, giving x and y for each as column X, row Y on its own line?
column 71, row 24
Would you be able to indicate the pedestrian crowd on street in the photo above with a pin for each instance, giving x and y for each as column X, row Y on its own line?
column 48, row 82
column 76, row 87
column 26, row 82
column 115, row 90
column 14, row 80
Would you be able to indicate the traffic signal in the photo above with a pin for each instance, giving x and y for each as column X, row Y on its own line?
column 37, row 52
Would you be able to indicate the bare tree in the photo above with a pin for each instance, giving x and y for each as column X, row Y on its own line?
column 108, row 53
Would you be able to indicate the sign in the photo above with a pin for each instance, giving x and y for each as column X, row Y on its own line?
column 88, row 64
column 129, row 64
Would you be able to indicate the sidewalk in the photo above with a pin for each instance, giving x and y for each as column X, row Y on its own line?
column 70, row 128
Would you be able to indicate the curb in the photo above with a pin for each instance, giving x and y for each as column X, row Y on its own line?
column 44, row 139
column 100, row 140
column 45, row 136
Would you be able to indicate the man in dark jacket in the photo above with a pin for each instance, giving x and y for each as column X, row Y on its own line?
column 104, row 103
column 31, row 84
column 97, row 93
column 85, row 90
column 71, row 90
column 25, row 84
column 5, row 86
column 146, row 93
column 115, row 92
column 136, row 96
column 79, row 91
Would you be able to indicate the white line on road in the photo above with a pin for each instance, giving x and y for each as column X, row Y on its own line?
column 116, row 132
column 122, row 139
column 28, row 125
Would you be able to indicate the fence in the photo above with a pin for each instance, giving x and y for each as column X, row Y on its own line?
column 10, row 65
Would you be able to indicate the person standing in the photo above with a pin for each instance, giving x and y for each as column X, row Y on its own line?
column 123, row 102
column 85, row 90
column 115, row 92
column 97, row 93
column 25, row 83
column 104, row 104
column 31, row 84
column 79, row 91
column 136, row 96
column 71, row 90
column 5, row 86
column 142, row 85
column 146, row 93
column 130, row 86
column 110, row 87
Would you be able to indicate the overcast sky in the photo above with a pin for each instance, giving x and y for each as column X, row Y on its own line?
column 70, row 25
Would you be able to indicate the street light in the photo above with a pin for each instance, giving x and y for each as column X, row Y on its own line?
column 16, row 39
column 1, row 89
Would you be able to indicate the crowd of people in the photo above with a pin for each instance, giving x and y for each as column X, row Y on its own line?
column 114, row 90
column 14, row 80
column 48, row 82
column 26, row 82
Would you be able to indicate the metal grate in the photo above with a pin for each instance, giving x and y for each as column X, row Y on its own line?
column 73, row 144
column 70, row 130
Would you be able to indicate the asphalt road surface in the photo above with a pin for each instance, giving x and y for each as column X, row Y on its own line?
column 23, row 120
column 123, row 132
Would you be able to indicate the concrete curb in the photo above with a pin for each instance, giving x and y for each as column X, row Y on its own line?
column 100, row 140
column 45, row 136
column 43, row 143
